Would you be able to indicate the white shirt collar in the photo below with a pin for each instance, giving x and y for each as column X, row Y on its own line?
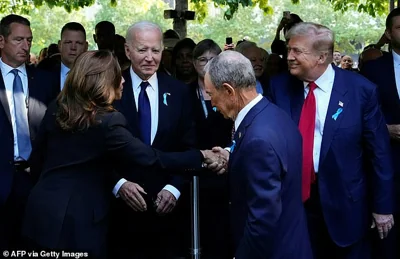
column 396, row 59
column 323, row 81
column 245, row 110
column 136, row 81
column 64, row 69
column 5, row 69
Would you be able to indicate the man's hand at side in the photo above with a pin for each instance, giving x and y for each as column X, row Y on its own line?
column 165, row 202
column 130, row 193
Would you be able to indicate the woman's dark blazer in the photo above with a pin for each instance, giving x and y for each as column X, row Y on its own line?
column 67, row 208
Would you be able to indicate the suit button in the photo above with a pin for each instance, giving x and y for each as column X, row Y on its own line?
column 11, row 162
column 230, row 203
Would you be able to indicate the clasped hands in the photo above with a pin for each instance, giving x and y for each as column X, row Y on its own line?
column 383, row 223
column 216, row 159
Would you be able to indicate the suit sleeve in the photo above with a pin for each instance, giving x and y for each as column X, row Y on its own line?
column 123, row 148
column 377, row 143
column 263, row 197
column 270, row 93
column 187, row 132
column 37, row 157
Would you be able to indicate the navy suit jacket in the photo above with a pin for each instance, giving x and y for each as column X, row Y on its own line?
column 381, row 72
column 175, row 132
column 68, row 207
column 267, row 214
column 41, row 93
column 357, row 135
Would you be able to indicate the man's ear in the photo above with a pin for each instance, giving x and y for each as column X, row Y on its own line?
column 388, row 34
column 228, row 89
column 2, row 41
column 322, row 58
column 95, row 38
column 86, row 46
column 127, row 51
column 59, row 45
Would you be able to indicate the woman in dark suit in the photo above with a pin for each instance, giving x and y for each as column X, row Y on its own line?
column 82, row 138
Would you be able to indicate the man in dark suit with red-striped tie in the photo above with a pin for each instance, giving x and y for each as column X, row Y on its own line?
column 342, row 127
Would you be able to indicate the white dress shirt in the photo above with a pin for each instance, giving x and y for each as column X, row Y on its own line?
column 396, row 63
column 63, row 75
column 152, row 92
column 8, row 78
column 243, row 112
column 322, row 97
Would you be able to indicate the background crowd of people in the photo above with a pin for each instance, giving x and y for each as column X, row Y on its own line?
column 98, row 146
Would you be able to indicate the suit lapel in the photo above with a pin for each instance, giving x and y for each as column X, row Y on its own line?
column 128, row 103
column 31, row 93
column 296, row 99
column 338, row 100
column 163, row 107
column 247, row 120
column 390, row 87
column 3, row 98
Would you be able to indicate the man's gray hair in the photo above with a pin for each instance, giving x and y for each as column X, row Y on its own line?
column 323, row 38
column 233, row 68
column 141, row 26
column 245, row 45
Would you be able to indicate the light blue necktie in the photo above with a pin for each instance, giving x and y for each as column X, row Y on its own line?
column 21, row 118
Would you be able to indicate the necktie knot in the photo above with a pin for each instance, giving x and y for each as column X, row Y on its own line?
column 14, row 71
column 144, row 85
column 312, row 86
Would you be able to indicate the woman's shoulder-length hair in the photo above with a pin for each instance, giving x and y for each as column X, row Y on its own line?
column 90, row 89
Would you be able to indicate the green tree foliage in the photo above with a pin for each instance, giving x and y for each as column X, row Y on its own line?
column 127, row 12
column 372, row 7
column 353, row 30
column 46, row 24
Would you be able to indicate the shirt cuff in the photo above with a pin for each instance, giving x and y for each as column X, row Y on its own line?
column 118, row 186
column 228, row 149
column 173, row 190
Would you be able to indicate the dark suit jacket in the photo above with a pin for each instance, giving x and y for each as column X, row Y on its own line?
column 381, row 72
column 267, row 214
column 175, row 130
column 41, row 93
column 212, row 131
column 358, row 134
column 67, row 209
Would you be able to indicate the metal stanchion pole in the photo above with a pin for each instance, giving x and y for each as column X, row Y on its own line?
column 195, row 250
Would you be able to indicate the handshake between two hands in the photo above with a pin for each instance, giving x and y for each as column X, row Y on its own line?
column 216, row 159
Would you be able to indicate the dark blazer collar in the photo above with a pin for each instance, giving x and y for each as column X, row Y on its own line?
column 3, row 98
column 248, row 119
column 338, row 100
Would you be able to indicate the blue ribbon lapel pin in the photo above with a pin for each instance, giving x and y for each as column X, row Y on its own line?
column 165, row 101
column 337, row 113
